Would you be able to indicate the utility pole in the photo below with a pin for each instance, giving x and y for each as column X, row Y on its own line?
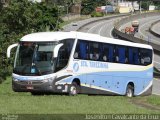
column 140, row 7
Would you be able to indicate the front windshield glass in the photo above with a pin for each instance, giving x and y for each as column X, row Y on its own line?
column 34, row 58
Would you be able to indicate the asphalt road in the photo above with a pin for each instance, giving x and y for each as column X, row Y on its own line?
column 104, row 28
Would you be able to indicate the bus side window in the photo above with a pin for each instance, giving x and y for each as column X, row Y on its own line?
column 120, row 54
column 64, row 54
column 126, row 55
column 146, row 56
column 130, row 58
column 69, row 44
column 105, row 53
column 116, row 56
column 77, row 51
column 94, row 51
column 135, row 56
column 81, row 51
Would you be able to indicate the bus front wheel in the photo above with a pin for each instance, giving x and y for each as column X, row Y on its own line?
column 130, row 91
column 73, row 89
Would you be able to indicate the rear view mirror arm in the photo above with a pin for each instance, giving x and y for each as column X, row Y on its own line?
column 10, row 48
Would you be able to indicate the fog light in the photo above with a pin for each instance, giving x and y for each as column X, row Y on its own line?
column 59, row 87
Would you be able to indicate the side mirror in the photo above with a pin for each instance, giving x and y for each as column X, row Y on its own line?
column 10, row 48
column 56, row 49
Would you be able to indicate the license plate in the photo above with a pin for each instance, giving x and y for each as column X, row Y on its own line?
column 29, row 87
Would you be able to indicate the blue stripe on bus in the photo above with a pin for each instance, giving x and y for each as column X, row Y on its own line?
column 115, row 81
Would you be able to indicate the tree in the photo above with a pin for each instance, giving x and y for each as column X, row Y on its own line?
column 1, row 6
column 22, row 17
column 88, row 6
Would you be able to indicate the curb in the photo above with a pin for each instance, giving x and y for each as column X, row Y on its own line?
column 152, row 31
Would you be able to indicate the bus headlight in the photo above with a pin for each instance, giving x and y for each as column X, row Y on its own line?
column 14, row 79
column 48, row 80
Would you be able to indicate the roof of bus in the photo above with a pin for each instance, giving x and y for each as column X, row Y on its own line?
column 56, row 36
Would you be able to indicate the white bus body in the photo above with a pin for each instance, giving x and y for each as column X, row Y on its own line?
column 75, row 62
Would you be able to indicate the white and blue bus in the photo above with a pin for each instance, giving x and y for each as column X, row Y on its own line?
column 75, row 62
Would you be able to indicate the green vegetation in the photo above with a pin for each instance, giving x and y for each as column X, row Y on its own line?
column 22, row 17
column 97, row 14
column 88, row 6
column 154, row 100
column 24, row 103
column 145, row 4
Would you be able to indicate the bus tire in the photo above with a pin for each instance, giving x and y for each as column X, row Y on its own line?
column 129, row 91
column 73, row 90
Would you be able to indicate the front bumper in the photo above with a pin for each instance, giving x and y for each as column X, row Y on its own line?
column 38, row 86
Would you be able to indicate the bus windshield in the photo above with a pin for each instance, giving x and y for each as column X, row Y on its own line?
column 37, row 58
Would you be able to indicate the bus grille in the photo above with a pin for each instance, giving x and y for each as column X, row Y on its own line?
column 33, row 82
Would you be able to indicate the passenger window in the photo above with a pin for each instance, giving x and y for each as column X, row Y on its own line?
column 121, row 55
column 133, row 56
column 112, row 53
column 107, row 53
column 81, row 51
column 64, row 54
column 94, row 53
column 145, row 57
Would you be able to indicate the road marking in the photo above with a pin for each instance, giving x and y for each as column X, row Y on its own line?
column 110, row 33
column 100, row 30
column 155, row 94
column 106, row 21
column 95, row 26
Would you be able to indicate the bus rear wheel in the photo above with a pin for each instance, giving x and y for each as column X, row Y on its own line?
column 74, row 88
column 130, row 91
